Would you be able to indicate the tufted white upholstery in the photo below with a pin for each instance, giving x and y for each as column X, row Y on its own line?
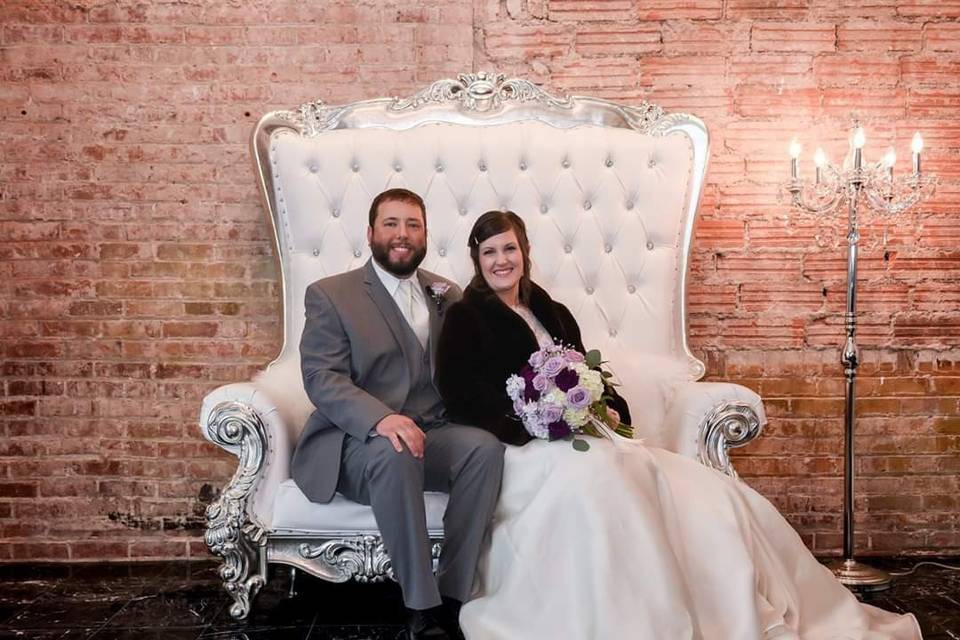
column 606, row 209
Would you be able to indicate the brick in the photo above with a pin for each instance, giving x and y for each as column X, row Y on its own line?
column 767, row 9
column 617, row 39
column 591, row 10
column 875, row 36
column 507, row 42
column 793, row 36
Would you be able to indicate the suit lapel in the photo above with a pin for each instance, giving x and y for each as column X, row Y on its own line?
column 436, row 316
column 388, row 309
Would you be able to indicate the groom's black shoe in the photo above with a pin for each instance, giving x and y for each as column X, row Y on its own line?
column 423, row 625
column 450, row 617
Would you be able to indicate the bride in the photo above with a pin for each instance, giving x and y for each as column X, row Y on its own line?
column 631, row 542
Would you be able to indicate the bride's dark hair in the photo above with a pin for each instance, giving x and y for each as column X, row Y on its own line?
column 490, row 224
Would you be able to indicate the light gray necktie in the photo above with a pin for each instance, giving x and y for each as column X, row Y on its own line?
column 413, row 311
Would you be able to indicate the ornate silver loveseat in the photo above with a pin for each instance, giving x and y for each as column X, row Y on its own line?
column 609, row 194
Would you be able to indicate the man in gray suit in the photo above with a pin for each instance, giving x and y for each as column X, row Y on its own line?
column 379, row 434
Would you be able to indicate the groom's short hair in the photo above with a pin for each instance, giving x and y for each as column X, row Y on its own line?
column 397, row 195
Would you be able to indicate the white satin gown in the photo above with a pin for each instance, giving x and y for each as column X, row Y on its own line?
column 643, row 544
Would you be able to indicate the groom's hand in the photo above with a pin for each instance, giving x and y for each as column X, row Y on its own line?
column 397, row 428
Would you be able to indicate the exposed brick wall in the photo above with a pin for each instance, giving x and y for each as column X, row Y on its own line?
column 137, row 270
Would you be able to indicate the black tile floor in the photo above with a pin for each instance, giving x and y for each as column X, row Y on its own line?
column 184, row 601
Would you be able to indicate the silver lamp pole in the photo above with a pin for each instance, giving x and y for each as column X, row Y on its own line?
column 882, row 192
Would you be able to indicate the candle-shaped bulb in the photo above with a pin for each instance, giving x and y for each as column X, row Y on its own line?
column 820, row 158
column 890, row 158
column 795, row 148
column 916, row 145
column 859, row 138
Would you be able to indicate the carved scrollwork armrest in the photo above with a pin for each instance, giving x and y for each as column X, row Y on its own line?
column 726, row 426
column 238, row 428
column 707, row 419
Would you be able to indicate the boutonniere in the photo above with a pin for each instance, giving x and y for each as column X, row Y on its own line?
column 437, row 291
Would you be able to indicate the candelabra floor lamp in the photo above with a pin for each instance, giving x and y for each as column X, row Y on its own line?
column 856, row 184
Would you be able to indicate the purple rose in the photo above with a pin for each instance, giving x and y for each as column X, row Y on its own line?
column 573, row 356
column 553, row 366
column 530, row 393
column 551, row 413
column 536, row 359
column 578, row 397
column 567, row 379
column 558, row 429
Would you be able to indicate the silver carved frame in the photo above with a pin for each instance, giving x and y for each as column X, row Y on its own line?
column 477, row 99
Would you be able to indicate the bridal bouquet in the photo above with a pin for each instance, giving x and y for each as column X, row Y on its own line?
column 561, row 393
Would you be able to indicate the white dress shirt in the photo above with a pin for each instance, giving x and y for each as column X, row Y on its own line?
column 410, row 298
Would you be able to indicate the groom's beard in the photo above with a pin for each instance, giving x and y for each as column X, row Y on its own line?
column 399, row 268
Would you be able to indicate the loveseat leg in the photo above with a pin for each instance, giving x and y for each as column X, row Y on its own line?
column 293, row 583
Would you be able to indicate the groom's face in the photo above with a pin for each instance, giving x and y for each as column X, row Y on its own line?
column 398, row 237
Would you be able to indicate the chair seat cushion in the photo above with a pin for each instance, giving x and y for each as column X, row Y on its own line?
column 293, row 513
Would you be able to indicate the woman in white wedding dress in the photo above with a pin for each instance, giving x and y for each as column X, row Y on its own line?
column 632, row 542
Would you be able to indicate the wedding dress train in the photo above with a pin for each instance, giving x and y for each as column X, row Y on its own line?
column 644, row 544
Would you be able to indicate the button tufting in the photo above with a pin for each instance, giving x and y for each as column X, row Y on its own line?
column 439, row 168
column 565, row 163
column 587, row 205
column 356, row 253
column 482, row 165
column 355, row 167
column 613, row 333
column 335, row 213
column 609, row 162
column 651, row 163
column 567, row 248
column 632, row 288
column 544, row 208
column 397, row 167
column 314, row 168
column 607, row 248
column 316, row 252
column 442, row 251
column 523, row 166
column 650, row 245
column 463, row 211
column 589, row 291
column 629, row 205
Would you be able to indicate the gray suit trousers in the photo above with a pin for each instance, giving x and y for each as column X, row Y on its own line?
column 465, row 462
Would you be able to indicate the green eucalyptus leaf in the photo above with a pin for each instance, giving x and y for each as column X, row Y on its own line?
column 581, row 445
column 592, row 358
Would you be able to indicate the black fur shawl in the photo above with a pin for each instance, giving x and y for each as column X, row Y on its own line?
column 482, row 343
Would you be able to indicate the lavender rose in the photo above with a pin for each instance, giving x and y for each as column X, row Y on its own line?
column 553, row 366
column 540, row 382
column 536, row 359
column 573, row 356
column 578, row 397
column 550, row 413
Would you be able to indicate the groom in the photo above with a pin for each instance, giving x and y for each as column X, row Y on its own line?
column 379, row 434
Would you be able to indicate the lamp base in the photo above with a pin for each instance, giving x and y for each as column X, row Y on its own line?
column 856, row 574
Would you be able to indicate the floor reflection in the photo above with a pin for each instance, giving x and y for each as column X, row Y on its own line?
column 185, row 601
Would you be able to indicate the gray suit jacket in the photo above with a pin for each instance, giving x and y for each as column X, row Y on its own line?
column 356, row 367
